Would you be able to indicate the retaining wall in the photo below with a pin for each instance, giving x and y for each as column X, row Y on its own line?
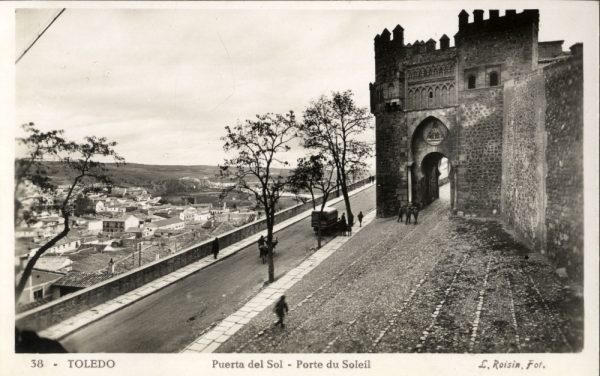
column 72, row 304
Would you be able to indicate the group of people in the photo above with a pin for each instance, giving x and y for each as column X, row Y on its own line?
column 263, row 249
column 343, row 225
column 371, row 179
column 408, row 211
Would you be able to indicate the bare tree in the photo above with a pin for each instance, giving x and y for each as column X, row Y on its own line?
column 331, row 126
column 80, row 159
column 258, row 144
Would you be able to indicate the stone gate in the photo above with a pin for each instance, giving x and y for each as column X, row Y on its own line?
column 465, row 103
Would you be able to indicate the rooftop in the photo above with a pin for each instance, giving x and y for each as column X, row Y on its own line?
column 166, row 222
column 39, row 277
column 82, row 279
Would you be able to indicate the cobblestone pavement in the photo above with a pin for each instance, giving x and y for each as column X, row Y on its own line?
column 448, row 284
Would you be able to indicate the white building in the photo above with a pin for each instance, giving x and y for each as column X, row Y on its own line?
column 54, row 264
column 115, row 209
column 95, row 226
column 112, row 225
column 192, row 214
column 65, row 245
column 166, row 224
column 100, row 208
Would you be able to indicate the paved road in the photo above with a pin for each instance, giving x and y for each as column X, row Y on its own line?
column 173, row 317
column 449, row 284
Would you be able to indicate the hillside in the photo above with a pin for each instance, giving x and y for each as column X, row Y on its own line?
column 152, row 177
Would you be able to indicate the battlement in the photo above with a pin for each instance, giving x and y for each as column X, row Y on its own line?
column 392, row 43
column 388, row 42
column 495, row 22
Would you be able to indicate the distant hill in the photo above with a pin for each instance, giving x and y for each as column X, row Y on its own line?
column 151, row 177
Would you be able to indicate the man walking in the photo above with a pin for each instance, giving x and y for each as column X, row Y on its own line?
column 281, row 308
column 360, row 217
column 215, row 247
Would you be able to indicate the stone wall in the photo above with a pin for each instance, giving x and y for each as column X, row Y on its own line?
column 479, row 148
column 523, row 170
column 72, row 304
column 509, row 42
column 564, row 156
column 391, row 164
column 542, row 183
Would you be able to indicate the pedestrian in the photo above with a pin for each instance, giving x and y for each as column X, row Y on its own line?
column 215, row 247
column 261, row 246
column 111, row 266
column 275, row 242
column 360, row 217
column 343, row 224
column 415, row 212
column 401, row 212
column 281, row 308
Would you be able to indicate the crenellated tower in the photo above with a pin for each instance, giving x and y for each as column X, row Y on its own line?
column 435, row 101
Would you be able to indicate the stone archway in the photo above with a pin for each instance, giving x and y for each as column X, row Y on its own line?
column 430, row 167
column 431, row 142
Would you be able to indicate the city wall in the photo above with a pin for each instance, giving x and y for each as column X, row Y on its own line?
column 542, row 173
column 523, row 193
column 72, row 304
column 564, row 159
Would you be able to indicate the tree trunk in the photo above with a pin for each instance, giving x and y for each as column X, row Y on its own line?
column 349, row 214
column 270, row 222
column 323, row 203
column 20, row 287
column 319, row 233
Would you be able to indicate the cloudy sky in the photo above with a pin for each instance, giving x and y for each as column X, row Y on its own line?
column 164, row 83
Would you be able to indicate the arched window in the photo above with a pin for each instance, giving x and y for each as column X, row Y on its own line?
column 493, row 78
column 451, row 95
column 390, row 91
column 444, row 96
column 471, row 81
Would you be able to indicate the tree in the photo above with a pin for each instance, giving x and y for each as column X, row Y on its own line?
column 302, row 179
column 258, row 144
column 83, row 205
column 39, row 146
column 315, row 173
column 332, row 126
column 81, row 159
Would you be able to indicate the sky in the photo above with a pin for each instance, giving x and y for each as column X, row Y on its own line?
column 164, row 83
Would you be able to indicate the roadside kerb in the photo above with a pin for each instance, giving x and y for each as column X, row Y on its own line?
column 212, row 339
column 76, row 322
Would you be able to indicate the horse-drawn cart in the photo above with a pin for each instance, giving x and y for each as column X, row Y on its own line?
column 327, row 219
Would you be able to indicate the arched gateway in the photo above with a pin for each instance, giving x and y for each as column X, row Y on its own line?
column 440, row 101
column 492, row 109
column 431, row 145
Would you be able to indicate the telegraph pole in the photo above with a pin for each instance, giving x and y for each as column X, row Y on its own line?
column 40, row 35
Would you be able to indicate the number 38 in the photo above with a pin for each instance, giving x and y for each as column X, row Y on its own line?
column 37, row 363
